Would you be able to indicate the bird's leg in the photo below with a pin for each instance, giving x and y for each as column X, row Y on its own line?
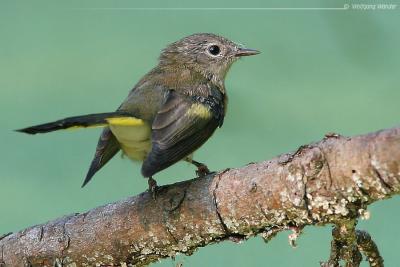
column 202, row 169
column 152, row 186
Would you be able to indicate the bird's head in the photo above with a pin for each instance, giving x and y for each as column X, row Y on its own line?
column 207, row 53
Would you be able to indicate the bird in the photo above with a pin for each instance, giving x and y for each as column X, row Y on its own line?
column 172, row 110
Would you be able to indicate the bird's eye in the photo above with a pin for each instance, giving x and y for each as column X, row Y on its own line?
column 214, row 50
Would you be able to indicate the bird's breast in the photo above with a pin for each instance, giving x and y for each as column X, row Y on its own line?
column 135, row 140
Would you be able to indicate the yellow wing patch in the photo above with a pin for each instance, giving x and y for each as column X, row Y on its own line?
column 199, row 110
column 125, row 121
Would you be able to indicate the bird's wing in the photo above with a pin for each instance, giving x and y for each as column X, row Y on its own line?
column 106, row 148
column 180, row 127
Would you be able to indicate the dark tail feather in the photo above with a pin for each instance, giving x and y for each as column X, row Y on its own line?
column 107, row 147
column 98, row 119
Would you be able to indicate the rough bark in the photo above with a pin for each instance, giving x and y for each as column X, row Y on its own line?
column 329, row 182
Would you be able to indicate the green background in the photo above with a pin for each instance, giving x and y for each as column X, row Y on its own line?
column 320, row 71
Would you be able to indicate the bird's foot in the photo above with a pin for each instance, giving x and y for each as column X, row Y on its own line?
column 202, row 169
column 152, row 187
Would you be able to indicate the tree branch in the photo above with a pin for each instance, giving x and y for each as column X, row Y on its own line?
column 329, row 182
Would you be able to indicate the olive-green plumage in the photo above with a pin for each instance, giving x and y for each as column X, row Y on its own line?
column 170, row 112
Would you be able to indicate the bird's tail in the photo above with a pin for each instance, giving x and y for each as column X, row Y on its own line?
column 84, row 121
column 107, row 146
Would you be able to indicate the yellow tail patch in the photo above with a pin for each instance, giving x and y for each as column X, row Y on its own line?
column 76, row 127
column 119, row 121
column 125, row 121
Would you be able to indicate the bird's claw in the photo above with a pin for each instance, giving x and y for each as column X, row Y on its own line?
column 152, row 187
column 202, row 170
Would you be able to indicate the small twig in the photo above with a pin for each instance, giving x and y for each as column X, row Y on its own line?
column 344, row 245
column 368, row 247
column 348, row 244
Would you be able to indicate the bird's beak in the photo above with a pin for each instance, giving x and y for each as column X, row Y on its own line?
column 244, row 52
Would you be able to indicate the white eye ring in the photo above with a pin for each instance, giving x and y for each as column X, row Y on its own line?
column 214, row 50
